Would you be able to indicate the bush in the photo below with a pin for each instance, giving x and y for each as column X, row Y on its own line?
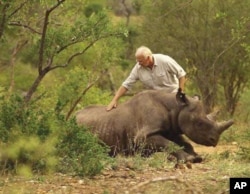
column 18, row 119
column 24, row 136
column 80, row 151
column 33, row 139
column 244, row 148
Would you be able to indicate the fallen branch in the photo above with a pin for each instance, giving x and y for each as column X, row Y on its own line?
column 158, row 179
column 189, row 188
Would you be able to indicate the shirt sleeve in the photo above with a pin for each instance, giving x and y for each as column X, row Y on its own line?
column 132, row 78
column 174, row 67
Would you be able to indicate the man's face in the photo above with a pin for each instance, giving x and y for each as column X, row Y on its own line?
column 143, row 61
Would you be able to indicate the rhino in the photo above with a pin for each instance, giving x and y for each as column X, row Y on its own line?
column 150, row 121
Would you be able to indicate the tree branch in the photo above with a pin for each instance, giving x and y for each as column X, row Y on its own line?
column 82, row 52
column 45, row 25
column 17, row 48
column 181, row 6
column 17, row 9
column 3, row 19
column 127, row 10
column 17, row 23
column 84, row 37
column 225, row 50
column 90, row 85
column 158, row 179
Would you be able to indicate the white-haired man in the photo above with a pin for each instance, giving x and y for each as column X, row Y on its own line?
column 155, row 71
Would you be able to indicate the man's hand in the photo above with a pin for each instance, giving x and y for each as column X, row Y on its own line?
column 112, row 104
column 180, row 95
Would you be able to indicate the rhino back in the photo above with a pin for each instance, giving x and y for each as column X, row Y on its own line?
column 111, row 127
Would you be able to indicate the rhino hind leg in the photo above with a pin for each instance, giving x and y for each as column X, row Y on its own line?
column 125, row 148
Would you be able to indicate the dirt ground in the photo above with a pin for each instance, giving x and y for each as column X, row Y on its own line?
column 194, row 178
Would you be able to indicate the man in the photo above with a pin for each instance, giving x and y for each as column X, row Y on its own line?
column 156, row 71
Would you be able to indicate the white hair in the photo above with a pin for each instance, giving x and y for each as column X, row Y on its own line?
column 143, row 51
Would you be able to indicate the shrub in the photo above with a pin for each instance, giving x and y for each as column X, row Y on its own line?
column 244, row 148
column 24, row 135
column 17, row 119
column 80, row 151
column 42, row 141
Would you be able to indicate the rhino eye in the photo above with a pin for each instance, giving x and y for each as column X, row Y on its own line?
column 198, row 124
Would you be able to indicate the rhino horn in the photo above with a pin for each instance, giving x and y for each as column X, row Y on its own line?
column 212, row 116
column 222, row 126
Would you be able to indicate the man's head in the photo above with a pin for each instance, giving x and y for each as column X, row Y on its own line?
column 144, row 57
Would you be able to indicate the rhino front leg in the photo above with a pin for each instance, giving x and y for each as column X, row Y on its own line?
column 187, row 154
column 158, row 143
column 183, row 156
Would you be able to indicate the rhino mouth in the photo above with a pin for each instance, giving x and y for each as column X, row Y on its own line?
column 211, row 142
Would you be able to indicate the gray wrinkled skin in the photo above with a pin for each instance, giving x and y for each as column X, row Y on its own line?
column 150, row 120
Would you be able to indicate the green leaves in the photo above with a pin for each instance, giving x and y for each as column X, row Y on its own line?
column 34, row 139
column 204, row 37
column 80, row 152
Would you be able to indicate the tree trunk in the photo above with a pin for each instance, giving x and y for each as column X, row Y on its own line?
column 208, row 89
column 34, row 86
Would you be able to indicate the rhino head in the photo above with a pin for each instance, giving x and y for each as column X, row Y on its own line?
column 196, row 124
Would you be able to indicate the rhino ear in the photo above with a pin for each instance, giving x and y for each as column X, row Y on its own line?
column 181, row 98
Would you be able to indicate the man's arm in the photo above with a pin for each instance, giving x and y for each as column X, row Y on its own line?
column 126, row 85
column 113, row 104
column 182, row 81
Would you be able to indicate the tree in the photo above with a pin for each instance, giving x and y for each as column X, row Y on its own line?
column 201, row 35
column 57, row 32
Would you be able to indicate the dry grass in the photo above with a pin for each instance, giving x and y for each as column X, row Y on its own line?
column 153, row 175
